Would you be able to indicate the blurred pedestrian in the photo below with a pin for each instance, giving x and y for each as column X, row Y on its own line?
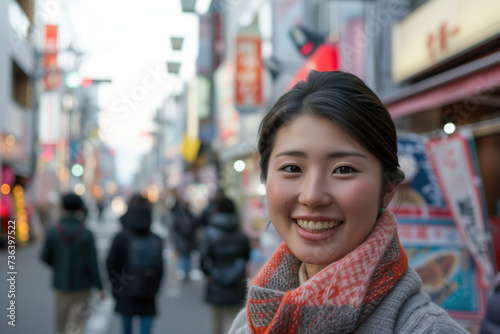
column 70, row 250
column 185, row 234
column 491, row 321
column 100, row 208
column 224, row 253
column 135, row 266
column 210, row 208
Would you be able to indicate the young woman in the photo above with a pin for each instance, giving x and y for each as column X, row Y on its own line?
column 329, row 160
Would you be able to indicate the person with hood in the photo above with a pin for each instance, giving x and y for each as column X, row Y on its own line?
column 135, row 266
column 224, row 252
column 69, row 249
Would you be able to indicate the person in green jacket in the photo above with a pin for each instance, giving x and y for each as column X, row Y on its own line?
column 70, row 250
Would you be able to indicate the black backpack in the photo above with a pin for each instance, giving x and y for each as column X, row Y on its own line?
column 230, row 275
column 145, row 264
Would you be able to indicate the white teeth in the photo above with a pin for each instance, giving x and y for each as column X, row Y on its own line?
column 318, row 226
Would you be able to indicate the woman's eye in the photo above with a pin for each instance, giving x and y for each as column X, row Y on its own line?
column 292, row 169
column 343, row 170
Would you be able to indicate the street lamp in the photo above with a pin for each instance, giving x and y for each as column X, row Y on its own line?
column 176, row 43
column 188, row 6
column 173, row 67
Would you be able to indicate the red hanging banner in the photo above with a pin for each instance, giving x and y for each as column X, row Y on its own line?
column 248, row 83
column 51, row 75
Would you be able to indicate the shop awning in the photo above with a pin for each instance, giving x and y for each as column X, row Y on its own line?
column 472, row 79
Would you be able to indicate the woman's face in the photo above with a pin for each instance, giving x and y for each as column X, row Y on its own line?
column 323, row 190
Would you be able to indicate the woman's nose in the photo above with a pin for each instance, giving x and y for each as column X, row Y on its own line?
column 314, row 191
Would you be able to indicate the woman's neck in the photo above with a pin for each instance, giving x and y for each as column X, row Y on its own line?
column 313, row 269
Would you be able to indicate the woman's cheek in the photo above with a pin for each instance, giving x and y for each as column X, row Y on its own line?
column 273, row 189
column 362, row 194
column 277, row 193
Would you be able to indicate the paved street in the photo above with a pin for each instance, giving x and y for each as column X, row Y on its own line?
column 181, row 306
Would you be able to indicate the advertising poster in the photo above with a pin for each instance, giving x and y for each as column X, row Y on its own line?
column 430, row 231
column 452, row 159
column 421, row 185
column 436, row 251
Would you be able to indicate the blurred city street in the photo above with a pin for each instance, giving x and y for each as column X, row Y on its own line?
column 178, row 302
column 172, row 103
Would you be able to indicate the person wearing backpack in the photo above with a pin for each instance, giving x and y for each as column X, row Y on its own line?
column 69, row 249
column 224, row 252
column 135, row 266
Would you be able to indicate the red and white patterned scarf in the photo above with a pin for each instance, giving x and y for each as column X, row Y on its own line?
column 335, row 300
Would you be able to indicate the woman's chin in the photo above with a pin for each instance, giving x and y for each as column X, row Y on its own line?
column 316, row 258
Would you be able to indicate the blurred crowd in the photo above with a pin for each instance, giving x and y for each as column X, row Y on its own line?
column 135, row 263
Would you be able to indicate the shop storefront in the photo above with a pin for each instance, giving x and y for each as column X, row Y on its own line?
column 450, row 74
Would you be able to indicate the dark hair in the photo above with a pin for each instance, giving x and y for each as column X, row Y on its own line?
column 137, row 200
column 344, row 99
column 72, row 202
column 225, row 205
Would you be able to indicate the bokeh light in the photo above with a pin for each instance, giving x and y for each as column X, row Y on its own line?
column 10, row 140
column 5, row 189
column 239, row 166
column 79, row 189
column 118, row 205
column 77, row 170
column 449, row 128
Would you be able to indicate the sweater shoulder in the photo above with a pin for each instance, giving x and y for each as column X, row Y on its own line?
column 420, row 315
column 408, row 309
column 240, row 324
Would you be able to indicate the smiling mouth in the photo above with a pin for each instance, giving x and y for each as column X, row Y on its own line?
column 318, row 226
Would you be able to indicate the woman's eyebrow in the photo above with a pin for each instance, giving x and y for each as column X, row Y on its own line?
column 335, row 154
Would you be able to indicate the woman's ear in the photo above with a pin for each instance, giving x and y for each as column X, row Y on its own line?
column 389, row 194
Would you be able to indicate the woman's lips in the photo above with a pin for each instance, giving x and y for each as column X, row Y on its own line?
column 316, row 230
column 317, row 226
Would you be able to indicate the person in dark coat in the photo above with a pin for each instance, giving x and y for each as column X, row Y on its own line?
column 491, row 321
column 224, row 252
column 69, row 249
column 134, row 283
column 185, row 232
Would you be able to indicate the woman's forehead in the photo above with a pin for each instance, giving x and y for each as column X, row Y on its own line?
column 313, row 131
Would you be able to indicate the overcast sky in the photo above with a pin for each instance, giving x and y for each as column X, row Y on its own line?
column 129, row 43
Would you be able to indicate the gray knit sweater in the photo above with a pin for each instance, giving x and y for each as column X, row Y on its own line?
column 406, row 309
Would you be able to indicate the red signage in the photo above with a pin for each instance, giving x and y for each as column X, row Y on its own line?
column 439, row 41
column 325, row 58
column 248, row 85
column 51, row 75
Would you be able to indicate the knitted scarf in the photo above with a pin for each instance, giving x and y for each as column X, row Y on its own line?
column 335, row 300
